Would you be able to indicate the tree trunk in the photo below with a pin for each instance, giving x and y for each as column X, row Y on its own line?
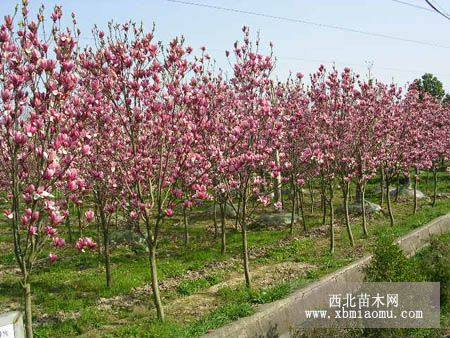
column 435, row 178
column 69, row 229
column 332, row 241
column 106, row 253
column 346, row 191
column 222, row 226
column 358, row 193
column 238, row 212
column 80, row 227
column 389, row 204
column 28, row 314
column 155, row 284
column 294, row 199
column 107, row 256
column 244, row 237
column 99, row 237
column 381, row 187
column 216, row 228
column 416, row 179
column 397, row 188
column 324, row 206
column 278, row 182
column 311, row 196
column 362, row 191
column 186, row 224
column 301, row 209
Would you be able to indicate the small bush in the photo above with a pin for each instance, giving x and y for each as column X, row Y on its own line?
column 435, row 265
column 389, row 264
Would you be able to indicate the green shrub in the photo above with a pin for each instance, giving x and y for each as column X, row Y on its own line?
column 389, row 264
column 435, row 265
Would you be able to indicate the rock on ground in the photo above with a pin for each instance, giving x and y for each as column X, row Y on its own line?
column 276, row 219
column 355, row 208
column 229, row 211
column 407, row 193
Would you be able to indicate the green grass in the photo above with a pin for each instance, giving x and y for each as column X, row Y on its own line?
column 75, row 285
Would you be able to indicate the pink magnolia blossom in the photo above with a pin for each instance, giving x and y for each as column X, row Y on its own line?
column 89, row 215
column 52, row 257
column 85, row 242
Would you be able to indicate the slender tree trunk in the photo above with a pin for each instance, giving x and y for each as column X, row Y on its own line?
column 69, row 229
column 99, row 236
column 358, row 193
column 186, row 224
column 324, row 205
column 107, row 256
column 216, row 228
column 80, row 227
column 362, row 190
column 222, row 226
column 389, row 204
column 244, row 237
column 238, row 213
column 106, row 249
column 416, row 179
column 301, row 208
column 397, row 188
column 381, row 187
column 278, row 182
column 28, row 311
column 311, row 196
column 294, row 199
column 330, row 203
column 155, row 284
column 346, row 191
column 435, row 179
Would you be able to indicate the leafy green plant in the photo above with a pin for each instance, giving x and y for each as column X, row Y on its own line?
column 435, row 265
column 389, row 264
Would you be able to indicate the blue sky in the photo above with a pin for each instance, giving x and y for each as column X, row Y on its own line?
column 299, row 47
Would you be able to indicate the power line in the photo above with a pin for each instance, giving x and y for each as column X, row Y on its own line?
column 307, row 22
column 412, row 5
column 441, row 8
column 437, row 10
column 340, row 62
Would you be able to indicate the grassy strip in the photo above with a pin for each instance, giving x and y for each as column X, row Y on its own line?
column 73, row 288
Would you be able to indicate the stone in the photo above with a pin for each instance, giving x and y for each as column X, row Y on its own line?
column 407, row 193
column 370, row 208
column 229, row 210
column 11, row 325
column 355, row 208
column 129, row 237
column 275, row 219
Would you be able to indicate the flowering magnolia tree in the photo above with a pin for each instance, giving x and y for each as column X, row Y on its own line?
column 40, row 134
column 147, row 87
column 251, row 127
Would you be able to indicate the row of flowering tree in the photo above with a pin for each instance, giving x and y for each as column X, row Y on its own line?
column 134, row 127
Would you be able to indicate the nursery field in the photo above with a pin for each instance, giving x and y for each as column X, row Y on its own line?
column 146, row 191
column 201, row 288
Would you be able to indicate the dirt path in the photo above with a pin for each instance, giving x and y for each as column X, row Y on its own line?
column 192, row 307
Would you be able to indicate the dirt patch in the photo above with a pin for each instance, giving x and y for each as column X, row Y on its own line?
column 266, row 275
column 192, row 307
column 141, row 295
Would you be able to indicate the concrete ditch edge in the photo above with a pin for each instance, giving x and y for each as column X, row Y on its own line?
column 278, row 318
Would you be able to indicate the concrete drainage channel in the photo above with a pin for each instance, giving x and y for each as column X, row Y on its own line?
column 280, row 318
